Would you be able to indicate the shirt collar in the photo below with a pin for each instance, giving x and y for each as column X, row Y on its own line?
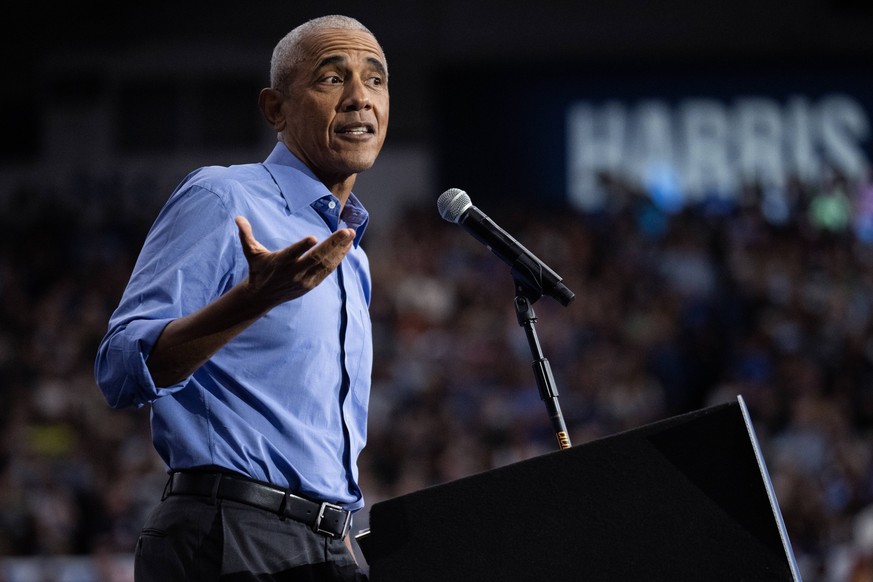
column 299, row 187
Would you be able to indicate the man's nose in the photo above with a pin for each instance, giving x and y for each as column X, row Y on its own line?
column 355, row 96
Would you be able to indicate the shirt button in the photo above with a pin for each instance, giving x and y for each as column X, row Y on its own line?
column 331, row 204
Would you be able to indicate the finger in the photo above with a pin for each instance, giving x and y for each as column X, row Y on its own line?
column 298, row 249
column 341, row 239
column 249, row 244
column 243, row 224
column 332, row 249
column 324, row 258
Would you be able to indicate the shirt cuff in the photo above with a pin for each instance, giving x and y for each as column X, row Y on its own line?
column 142, row 334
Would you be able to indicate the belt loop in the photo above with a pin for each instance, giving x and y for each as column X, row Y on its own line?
column 168, row 488
column 283, row 505
column 216, row 483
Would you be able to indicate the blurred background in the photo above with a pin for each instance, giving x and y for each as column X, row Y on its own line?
column 698, row 172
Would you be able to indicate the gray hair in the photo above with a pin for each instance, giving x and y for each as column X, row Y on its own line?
column 289, row 50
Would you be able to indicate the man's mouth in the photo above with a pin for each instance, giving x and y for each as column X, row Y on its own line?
column 356, row 129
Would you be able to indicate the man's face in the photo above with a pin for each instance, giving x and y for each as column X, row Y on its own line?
column 337, row 104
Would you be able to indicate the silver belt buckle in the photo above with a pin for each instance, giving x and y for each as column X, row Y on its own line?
column 321, row 510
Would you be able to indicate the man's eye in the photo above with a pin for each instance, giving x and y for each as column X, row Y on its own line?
column 332, row 79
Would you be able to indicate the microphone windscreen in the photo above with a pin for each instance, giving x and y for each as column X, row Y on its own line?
column 452, row 203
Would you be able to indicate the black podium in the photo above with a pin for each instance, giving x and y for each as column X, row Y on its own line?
column 684, row 499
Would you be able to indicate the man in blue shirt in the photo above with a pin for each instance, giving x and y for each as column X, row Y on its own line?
column 245, row 327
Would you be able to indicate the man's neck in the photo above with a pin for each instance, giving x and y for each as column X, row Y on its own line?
column 341, row 187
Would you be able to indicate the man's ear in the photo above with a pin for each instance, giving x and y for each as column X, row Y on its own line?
column 270, row 102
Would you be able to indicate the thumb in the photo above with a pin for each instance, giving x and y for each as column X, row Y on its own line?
column 249, row 244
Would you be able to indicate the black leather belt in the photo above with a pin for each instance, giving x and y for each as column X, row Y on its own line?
column 324, row 518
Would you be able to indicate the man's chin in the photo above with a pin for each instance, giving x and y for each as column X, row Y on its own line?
column 358, row 164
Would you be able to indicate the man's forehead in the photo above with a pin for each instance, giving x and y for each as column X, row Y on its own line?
column 329, row 41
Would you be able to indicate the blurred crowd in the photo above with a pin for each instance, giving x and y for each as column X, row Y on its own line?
column 770, row 298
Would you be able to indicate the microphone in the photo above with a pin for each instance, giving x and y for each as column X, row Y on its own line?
column 531, row 273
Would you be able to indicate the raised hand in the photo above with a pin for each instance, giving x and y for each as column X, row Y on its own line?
column 283, row 275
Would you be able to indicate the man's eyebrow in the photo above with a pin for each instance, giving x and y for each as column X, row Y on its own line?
column 339, row 59
column 333, row 60
column 378, row 65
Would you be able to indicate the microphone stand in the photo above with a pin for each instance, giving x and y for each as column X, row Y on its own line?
column 524, row 299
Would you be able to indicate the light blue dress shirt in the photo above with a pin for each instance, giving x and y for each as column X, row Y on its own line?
column 286, row 400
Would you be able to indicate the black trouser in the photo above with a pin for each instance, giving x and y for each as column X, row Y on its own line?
column 190, row 538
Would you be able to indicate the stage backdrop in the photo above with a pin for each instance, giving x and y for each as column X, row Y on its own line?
column 681, row 134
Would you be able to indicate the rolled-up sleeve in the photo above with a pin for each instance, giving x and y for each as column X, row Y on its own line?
column 120, row 367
